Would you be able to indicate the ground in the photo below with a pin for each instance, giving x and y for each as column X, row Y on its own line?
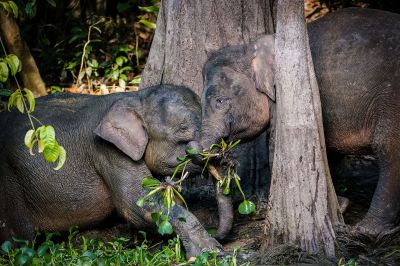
column 354, row 177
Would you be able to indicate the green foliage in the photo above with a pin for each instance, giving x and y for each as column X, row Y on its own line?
column 167, row 191
column 224, row 151
column 56, row 89
column 247, row 207
column 9, row 64
column 10, row 8
column 44, row 136
column 24, row 101
column 18, row 99
column 350, row 262
column 120, row 251
column 31, row 7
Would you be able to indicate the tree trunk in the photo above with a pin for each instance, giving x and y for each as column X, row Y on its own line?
column 16, row 45
column 302, row 205
column 187, row 32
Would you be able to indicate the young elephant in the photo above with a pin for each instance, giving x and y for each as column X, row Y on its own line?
column 112, row 143
column 356, row 55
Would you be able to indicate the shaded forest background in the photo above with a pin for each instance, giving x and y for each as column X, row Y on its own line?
column 112, row 57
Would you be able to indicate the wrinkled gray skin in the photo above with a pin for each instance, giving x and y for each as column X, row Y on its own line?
column 356, row 53
column 112, row 143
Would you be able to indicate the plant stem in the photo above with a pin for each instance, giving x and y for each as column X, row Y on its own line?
column 19, row 88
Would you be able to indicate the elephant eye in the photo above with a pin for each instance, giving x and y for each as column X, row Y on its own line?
column 221, row 102
column 183, row 127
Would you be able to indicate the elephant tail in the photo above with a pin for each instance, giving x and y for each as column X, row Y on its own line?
column 225, row 212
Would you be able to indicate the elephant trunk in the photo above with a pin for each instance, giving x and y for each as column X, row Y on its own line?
column 224, row 202
column 225, row 212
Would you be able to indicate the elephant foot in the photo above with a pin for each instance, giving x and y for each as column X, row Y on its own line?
column 372, row 228
column 197, row 245
column 343, row 204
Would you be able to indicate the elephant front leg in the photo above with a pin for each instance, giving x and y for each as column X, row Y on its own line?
column 194, row 237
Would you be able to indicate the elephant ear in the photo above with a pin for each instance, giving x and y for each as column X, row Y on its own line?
column 263, row 65
column 123, row 127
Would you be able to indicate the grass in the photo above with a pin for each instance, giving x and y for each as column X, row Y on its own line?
column 120, row 251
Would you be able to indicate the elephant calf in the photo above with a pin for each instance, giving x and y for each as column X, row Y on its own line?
column 356, row 53
column 112, row 143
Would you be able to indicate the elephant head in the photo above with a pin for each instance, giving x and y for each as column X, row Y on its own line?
column 238, row 90
column 155, row 127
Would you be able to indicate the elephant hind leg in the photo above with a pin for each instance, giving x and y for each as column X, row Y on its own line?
column 384, row 210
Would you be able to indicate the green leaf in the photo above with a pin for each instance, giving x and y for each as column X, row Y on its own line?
column 88, row 71
column 148, row 24
column 156, row 216
column 212, row 230
column 150, row 182
column 47, row 134
column 14, row 8
column 6, row 246
column 247, row 207
column 149, row 9
column 31, row 99
column 12, row 100
column 19, row 103
column 93, row 63
column 181, row 159
column 52, row 3
column 13, row 63
column 140, row 202
column 61, row 158
column 31, row 147
column 89, row 254
column 120, row 60
column 3, row 72
column 41, row 146
column 22, row 259
column 51, row 152
column 136, row 80
column 42, row 250
column 115, row 74
column 125, row 68
column 30, row 8
column 179, row 195
column 233, row 144
column 192, row 151
column 226, row 190
column 27, row 251
column 29, row 138
column 122, row 83
column 4, row 92
column 165, row 228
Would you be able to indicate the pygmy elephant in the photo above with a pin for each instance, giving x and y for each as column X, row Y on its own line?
column 356, row 53
column 112, row 143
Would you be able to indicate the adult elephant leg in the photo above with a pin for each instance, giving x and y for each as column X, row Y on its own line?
column 384, row 210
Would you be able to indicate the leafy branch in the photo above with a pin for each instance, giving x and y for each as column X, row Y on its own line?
column 24, row 101
column 169, row 190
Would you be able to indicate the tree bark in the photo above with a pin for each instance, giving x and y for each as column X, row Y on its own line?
column 16, row 45
column 302, row 206
column 187, row 32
